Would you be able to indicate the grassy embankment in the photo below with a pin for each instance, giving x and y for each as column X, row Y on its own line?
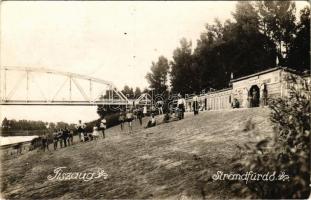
column 166, row 161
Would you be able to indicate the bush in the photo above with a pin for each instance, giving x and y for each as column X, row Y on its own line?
column 287, row 153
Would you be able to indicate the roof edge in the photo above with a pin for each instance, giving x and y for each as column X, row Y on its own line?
column 266, row 71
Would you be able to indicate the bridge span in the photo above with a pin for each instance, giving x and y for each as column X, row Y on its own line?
column 40, row 86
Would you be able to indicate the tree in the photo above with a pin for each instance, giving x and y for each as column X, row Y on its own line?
column 137, row 92
column 299, row 51
column 233, row 47
column 20, row 127
column 157, row 78
column 127, row 91
column 208, row 57
column 52, row 125
column 145, row 90
column 253, row 50
column 184, row 72
column 246, row 17
column 5, row 123
column 259, row 33
column 278, row 23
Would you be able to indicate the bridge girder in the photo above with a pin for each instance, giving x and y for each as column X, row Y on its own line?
column 73, row 77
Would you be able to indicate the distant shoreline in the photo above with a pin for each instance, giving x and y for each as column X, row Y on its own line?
column 9, row 140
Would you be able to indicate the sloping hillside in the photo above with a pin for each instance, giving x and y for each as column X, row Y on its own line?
column 167, row 161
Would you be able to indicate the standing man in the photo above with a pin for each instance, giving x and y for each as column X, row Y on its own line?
column 80, row 128
column 160, row 107
column 129, row 119
column 70, row 140
column 121, row 119
column 103, row 126
column 45, row 144
column 140, row 116
column 86, row 136
column 60, row 137
column 65, row 136
column 195, row 105
column 55, row 139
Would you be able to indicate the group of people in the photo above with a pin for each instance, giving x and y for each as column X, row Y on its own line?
column 64, row 137
column 131, row 114
column 128, row 116
column 98, row 130
column 178, row 111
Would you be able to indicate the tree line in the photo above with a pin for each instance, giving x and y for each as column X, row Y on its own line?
column 17, row 127
column 261, row 35
column 130, row 93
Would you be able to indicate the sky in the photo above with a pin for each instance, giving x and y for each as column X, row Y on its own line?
column 114, row 41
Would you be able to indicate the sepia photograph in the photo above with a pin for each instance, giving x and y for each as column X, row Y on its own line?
column 180, row 100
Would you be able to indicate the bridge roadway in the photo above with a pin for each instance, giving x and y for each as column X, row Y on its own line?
column 114, row 102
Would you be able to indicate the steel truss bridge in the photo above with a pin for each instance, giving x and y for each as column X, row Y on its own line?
column 40, row 86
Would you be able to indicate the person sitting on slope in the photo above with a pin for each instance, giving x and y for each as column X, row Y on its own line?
column 152, row 122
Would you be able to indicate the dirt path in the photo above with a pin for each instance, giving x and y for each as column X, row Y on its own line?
column 167, row 161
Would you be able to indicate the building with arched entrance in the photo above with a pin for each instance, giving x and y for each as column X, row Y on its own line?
column 250, row 91
column 254, row 90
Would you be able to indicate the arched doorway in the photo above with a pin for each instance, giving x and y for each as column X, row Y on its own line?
column 254, row 94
